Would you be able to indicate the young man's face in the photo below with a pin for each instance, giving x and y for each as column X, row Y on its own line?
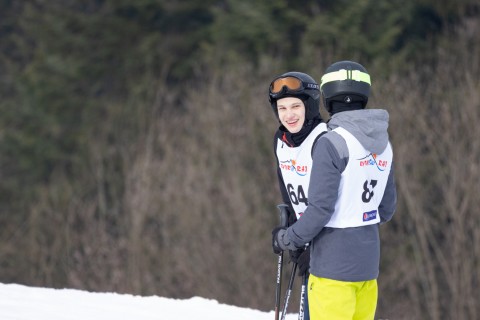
column 291, row 112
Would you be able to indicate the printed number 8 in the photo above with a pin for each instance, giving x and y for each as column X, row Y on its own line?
column 367, row 192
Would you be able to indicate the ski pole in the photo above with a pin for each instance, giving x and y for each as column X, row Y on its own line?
column 283, row 223
column 279, row 285
column 301, row 312
column 289, row 291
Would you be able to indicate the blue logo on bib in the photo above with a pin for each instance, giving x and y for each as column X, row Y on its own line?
column 370, row 215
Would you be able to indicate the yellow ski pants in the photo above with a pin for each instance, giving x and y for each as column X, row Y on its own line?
column 340, row 300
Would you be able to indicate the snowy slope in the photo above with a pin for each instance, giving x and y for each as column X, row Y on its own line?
column 19, row 302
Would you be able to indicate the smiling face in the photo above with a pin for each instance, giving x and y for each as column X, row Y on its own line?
column 291, row 112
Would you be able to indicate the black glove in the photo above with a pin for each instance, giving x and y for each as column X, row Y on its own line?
column 277, row 249
column 281, row 241
column 302, row 259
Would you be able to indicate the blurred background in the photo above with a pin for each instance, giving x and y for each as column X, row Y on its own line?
column 136, row 143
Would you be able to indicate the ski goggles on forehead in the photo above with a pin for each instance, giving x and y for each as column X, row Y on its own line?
column 292, row 84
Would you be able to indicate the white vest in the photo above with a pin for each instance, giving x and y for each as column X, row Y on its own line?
column 296, row 165
column 361, row 186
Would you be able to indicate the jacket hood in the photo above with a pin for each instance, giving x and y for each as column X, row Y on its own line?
column 369, row 126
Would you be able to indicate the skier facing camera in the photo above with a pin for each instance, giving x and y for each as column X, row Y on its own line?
column 295, row 100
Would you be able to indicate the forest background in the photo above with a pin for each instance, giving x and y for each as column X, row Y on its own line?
column 136, row 143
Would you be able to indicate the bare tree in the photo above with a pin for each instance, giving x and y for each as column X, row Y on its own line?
column 434, row 114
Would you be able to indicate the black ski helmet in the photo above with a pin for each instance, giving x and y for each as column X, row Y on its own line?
column 346, row 82
column 299, row 85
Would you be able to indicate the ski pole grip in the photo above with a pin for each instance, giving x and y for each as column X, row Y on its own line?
column 283, row 214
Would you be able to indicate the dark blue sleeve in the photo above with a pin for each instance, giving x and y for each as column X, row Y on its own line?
column 281, row 183
column 388, row 205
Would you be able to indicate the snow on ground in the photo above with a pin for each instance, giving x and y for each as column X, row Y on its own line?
column 18, row 302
